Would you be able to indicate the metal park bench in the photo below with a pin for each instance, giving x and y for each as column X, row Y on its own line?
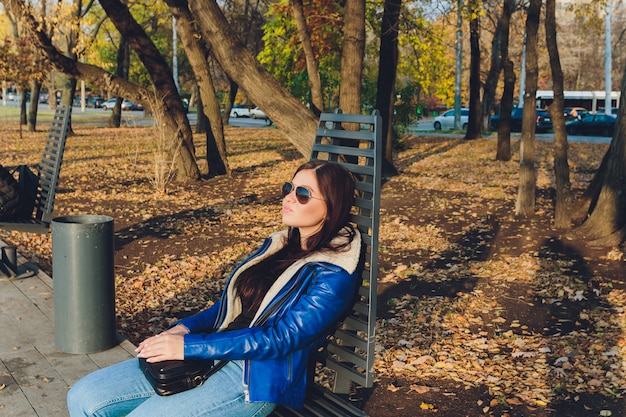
column 349, row 353
column 48, row 178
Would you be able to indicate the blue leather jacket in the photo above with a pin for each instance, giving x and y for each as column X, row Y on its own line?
column 297, row 313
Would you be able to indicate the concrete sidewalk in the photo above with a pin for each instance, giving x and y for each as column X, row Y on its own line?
column 34, row 375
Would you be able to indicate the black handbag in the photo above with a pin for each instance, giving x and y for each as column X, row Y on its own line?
column 171, row 377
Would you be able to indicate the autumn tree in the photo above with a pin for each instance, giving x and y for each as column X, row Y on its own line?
column 23, row 65
column 352, row 53
column 562, row 214
column 286, row 56
column 290, row 116
column 246, row 19
column 424, row 67
column 71, row 42
column 312, row 62
column 499, row 52
column 198, row 53
column 525, row 204
column 387, row 69
column 503, row 152
column 170, row 106
column 602, row 208
column 475, row 111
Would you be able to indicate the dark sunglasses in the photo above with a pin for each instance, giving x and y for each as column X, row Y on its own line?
column 303, row 195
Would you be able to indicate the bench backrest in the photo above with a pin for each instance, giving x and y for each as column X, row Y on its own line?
column 50, row 165
column 350, row 352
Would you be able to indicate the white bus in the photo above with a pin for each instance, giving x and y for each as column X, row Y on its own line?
column 590, row 100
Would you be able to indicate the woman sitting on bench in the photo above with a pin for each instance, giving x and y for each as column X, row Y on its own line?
column 276, row 309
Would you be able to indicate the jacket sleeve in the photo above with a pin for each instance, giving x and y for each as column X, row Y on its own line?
column 204, row 321
column 295, row 326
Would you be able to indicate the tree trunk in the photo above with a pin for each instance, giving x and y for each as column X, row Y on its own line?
column 503, row 152
column 474, row 120
column 123, row 65
column 491, row 82
column 69, row 82
column 197, row 55
column 312, row 66
column 23, row 118
column 202, row 121
column 233, row 88
column 606, row 221
column 525, row 205
column 562, row 214
column 352, row 53
column 386, row 85
column 33, row 106
column 290, row 116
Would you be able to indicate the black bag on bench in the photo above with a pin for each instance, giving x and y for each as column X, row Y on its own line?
column 9, row 194
column 27, row 184
column 171, row 377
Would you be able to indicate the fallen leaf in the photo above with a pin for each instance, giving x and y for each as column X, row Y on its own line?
column 426, row 406
column 420, row 389
column 392, row 388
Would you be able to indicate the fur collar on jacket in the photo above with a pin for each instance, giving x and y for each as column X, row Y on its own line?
column 348, row 260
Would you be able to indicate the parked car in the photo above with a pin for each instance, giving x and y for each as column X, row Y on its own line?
column 44, row 97
column 109, row 104
column 133, row 105
column 257, row 113
column 95, row 102
column 445, row 121
column 11, row 96
column 126, row 105
column 594, row 125
column 239, row 110
column 543, row 120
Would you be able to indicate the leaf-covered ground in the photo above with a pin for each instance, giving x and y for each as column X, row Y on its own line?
column 480, row 313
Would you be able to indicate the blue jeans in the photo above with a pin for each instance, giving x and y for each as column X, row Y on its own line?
column 122, row 389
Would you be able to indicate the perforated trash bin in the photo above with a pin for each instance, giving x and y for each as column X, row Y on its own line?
column 84, row 283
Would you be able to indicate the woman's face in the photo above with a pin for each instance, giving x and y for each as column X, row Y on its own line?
column 307, row 217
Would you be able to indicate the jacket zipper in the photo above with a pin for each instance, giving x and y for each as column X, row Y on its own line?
column 246, row 381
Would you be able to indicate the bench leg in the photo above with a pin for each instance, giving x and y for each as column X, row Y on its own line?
column 8, row 264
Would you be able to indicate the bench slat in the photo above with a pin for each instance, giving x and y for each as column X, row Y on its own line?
column 27, row 225
column 338, row 117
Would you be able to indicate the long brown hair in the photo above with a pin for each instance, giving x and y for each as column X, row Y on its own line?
column 336, row 186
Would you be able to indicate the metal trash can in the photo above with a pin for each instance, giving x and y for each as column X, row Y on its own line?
column 84, row 283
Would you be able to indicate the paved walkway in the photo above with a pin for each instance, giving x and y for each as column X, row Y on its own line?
column 34, row 375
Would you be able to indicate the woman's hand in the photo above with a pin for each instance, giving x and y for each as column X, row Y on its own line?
column 168, row 345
